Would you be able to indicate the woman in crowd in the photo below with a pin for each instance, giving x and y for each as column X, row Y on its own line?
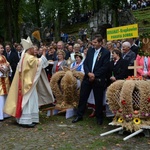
column 58, row 64
column 78, row 64
column 143, row 61
column 51, row 57
column 118, row 68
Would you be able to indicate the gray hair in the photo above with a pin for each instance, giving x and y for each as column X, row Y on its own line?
column 76, row 45
column 126, row 44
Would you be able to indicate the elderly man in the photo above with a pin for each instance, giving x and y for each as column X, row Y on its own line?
column 60, row 46
column 110, row 47
column 128, row 54
column 134, row 47
column 76, row 49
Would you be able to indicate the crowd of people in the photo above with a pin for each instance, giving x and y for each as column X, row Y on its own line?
column 139, row 4
column 102, row 63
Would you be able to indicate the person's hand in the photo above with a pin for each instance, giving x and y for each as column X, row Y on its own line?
column 91, row 76
column 44, row 50
column 1, row 68
column 7, row 65
column 145, row 75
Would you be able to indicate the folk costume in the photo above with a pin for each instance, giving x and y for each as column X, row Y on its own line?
column 58, row 66
column 77, row 67
column 25, row 96
column 145, row 63
column 4, row 86
column 72, row 56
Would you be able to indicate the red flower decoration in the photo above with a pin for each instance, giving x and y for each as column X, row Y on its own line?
column 148, row 99
column 123, row 102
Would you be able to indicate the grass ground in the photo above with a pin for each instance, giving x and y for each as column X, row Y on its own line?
column 58, row 133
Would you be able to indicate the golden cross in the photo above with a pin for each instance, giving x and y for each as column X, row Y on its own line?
column 135, row 67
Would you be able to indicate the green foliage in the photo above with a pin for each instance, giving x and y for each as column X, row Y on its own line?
column 143, row 20
column 42, row 13
column 141, row 52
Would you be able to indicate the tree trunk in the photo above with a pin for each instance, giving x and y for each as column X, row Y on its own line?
column 98, row 2
column 15, row 10
column 37, row 5
column 115, row 18
column 8, row 20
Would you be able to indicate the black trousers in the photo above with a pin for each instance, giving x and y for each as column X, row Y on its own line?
column 98, row 90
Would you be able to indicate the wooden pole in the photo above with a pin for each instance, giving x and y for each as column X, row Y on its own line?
column 111, row 131
column 133, row 134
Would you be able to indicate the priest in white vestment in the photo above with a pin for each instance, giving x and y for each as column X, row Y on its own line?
column 25, row 94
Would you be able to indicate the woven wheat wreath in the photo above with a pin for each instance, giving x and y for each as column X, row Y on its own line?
column 129, row 100
column 64, row 87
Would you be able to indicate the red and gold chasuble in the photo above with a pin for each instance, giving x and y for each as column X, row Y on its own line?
column 21, row 84
column 4, row 80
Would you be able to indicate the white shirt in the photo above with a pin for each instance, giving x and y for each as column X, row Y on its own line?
column 145, row 65
column 95, row 57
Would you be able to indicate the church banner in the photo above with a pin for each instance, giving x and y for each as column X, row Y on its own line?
column 123, row 32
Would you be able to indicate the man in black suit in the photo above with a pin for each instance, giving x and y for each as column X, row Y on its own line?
column 128, row 55
column 134, row 47
column 19, row 50
column 12, row 58
column 95, row 67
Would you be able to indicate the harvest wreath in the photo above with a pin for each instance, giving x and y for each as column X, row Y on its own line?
column 64, row 87
column 129, row 100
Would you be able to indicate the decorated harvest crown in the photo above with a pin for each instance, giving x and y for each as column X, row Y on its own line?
column 144, row 44
column 26, row 43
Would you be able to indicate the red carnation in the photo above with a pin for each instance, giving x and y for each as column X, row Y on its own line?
column 123, row 102
column 148, row 99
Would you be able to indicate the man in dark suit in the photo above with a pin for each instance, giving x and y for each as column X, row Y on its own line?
column 19, row 50
column 12, row 58
column 95, row 67
column 128, row 55
column 134, row 47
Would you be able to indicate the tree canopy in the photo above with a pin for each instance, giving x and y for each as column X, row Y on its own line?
column 20, row 17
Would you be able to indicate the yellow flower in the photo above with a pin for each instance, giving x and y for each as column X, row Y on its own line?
column 137, row 120
column 120, row 120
